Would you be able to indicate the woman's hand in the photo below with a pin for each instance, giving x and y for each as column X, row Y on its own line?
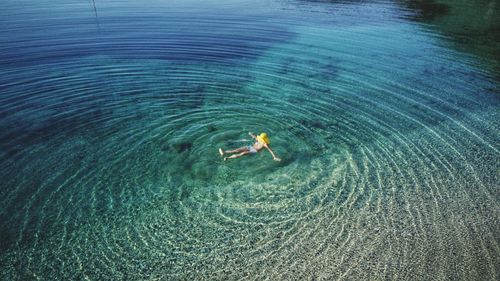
column 276, row 159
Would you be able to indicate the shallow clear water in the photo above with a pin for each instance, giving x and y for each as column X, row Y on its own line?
column 111, row 114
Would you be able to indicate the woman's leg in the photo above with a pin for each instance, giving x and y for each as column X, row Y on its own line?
column 237, row 155
column 241, row 149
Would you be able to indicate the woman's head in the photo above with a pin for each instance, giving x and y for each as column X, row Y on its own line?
column 263, row 138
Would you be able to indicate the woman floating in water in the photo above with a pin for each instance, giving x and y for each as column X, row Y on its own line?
column 261, row 141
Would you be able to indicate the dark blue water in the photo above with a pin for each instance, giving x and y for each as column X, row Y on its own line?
column 384, row 113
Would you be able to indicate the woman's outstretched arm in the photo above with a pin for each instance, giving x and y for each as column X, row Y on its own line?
column 272, row 153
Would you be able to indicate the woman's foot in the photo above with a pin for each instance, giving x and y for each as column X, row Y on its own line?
column 221, row 152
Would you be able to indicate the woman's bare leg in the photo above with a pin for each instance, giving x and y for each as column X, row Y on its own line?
column 237, row 155
column 241, row 149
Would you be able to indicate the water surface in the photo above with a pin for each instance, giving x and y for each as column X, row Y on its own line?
column 387, row 122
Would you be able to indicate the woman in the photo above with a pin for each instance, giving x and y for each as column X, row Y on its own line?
column 261, row 141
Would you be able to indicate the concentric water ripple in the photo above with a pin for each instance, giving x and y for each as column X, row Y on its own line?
column 111, row 117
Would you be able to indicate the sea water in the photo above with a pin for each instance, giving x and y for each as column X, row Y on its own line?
column 384, row 113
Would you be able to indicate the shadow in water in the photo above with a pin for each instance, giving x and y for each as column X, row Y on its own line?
column 427, row 10
column 473, row 26
column 96, row 17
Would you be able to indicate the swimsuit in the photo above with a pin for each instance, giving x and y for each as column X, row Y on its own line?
column 251, row 149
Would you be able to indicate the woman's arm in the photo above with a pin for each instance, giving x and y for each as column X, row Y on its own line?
column 252, row 135
column 272, row 153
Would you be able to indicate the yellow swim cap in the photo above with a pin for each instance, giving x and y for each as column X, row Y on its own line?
column 263, row 138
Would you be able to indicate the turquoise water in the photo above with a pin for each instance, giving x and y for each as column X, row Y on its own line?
column 111, row 114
